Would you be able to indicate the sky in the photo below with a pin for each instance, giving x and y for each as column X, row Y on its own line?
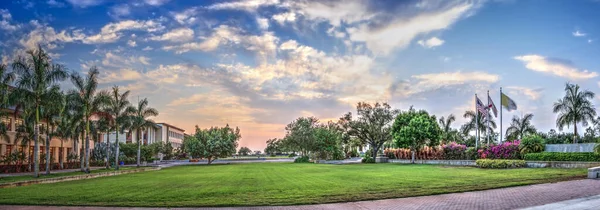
column 260, row 64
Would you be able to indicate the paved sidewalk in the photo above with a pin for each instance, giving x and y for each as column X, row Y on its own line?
column 505, row 198
column 589, row 203
column 43, row 172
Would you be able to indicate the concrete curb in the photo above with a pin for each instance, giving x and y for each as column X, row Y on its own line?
column 76, row 177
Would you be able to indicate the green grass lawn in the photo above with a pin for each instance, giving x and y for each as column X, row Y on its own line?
column 53, row 175
column 276, row 184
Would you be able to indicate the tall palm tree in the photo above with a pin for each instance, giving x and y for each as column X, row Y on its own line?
column 26, row 132
column 65, row 129
column 117, row 109
column 51, row 113
column 6, row 78
column 477, row 121
column 90, row 103
column 520, row 127
column 36, row 85
column 139, row 121
column 446, row 128
column 575, row 107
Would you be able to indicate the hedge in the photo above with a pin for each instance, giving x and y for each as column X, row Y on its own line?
column 500, row 163
column 563, row 156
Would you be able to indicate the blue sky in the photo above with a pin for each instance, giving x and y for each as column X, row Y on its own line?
column 259, row 64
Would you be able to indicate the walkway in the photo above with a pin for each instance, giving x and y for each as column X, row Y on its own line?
column 506, row 198
column 43, row 172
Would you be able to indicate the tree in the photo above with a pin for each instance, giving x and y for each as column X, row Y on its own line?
column 328, row 142
column 273, row 146
column 519, row 127
column 139, row 121
column 213, row 143
column 472, row 124
column 447, row 131
column 65, row 130
column 244, row 151
column 36, row 85
column 300, row 134
column 117, row 108
column 373, row 125
column 6, row 78
column 89, row 102
column 575, row 107
column 51, row 115
column 415, row 129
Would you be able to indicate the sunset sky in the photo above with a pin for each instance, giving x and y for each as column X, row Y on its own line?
column 259, row 64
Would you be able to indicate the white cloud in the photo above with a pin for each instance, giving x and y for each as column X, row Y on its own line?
column 262, row 23
column 247, row 5
column 556, row 67
column 119, row 11
column 147, row 48
column 533, row 94
column 156, row 2
column 430, row 43
column 54, row 3
column 5, row 22
column 131, row 43
column 435, row 81
column 176, row 35
column 282, row 18
column 111, row 32
column 144, row 60
column 186, row 17
column 46, row 36
column 578, row 33
column 590, row 40
column 85, row 3
column 121, row 75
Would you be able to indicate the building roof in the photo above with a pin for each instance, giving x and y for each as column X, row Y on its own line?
column 172, row 126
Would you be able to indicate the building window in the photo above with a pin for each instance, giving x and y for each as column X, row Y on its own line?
column 18, row 122
column 6, row 121
column 8, row 149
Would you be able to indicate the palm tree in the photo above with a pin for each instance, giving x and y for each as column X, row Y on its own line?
column 36, row 85
column 89, row 102
column 6, row 78
column 575, row 107
column 26, row 132
column 519, row 127
column 139, row 121
column 117, row 109
column 477, row 121
column 446, row 128
column 65, row 129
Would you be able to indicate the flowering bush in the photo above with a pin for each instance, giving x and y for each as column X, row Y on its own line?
column 454, row 151
column 427, row 153
column 506, row 150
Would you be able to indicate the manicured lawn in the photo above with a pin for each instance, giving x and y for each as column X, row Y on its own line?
column 276, row 184
column 53, row 175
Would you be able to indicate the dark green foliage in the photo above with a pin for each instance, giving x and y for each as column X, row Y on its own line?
column 303, row 159
column 563, row 156
column 471, row 153
column 292, row 155
column 129, row 150
column 574, row 108
column 415, row 129
column 213, row 143
column 368, row 159
column 531, row 144
column 244, row 151
column 499, row 163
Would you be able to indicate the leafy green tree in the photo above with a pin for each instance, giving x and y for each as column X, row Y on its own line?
column 520, row 127
column 575, row 107
column 300, row 134
column 415, row 129
column 213, row 143
column 6, row 78
column 473, row 124
column 328, row 142
column 36, row 86
column 244, row 151
column 139, row 119
column 51, row 115
column 531, row 144
column 117, row 108
column 273, row 146
column 89, row 101
column 448, row 133
column 65, row 130
column 373, row 124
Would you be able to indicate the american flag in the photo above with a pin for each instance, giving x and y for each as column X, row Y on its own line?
column 483, row 109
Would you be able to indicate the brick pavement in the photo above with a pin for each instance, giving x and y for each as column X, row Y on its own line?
column 505, row 198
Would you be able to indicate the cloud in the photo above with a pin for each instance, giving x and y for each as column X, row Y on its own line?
column 54, row 3
column 131, row 43
column 186, row 16
column 422, row 83
column 46, row 36
column 119, row 11
column 262, row 23
column 533, row 94
column 112, row 32
column 578, row 33
column 557, row 67
column 121, row 75
column 147, row 48
column 156, row 2
column 85, row 3
column 430, row 43
column 247, row 5
column 176, row 35
column 282, row 18
column 5, row 22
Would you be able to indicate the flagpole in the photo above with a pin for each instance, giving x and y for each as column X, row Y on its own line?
column 500, row 140
column 476, row 123
column 488, row 119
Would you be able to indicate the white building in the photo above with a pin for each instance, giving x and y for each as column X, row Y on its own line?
column 160, row 132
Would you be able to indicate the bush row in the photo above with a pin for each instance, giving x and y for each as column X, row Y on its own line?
column 562, row 156
column 499, row 163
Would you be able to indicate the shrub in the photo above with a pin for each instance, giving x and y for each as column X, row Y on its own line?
column 495, row 164
column 471, row 153
column 562, row 156
column 303, row 159
column 427, row 153
column 506, row 150
column 292, row 155
column 454, row 151
column 531, row 144
column 353, row 153
column 368, row 159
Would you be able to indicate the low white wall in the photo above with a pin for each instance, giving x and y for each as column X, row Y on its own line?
column 585, row 147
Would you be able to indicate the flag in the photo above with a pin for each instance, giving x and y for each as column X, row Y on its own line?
column 480, row 107
column 492, row 106
column 508, row 103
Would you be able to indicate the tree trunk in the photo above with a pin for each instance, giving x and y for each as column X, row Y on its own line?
column 36, row 151
column 48, row 139
column 210, row 160
column 137, row 137
column 413, row 156
column 61, row 154
column 117, row 150
column 82, row 152
column 107, row 152
column 575, row 137
column 87, row 147
column 374, row 151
